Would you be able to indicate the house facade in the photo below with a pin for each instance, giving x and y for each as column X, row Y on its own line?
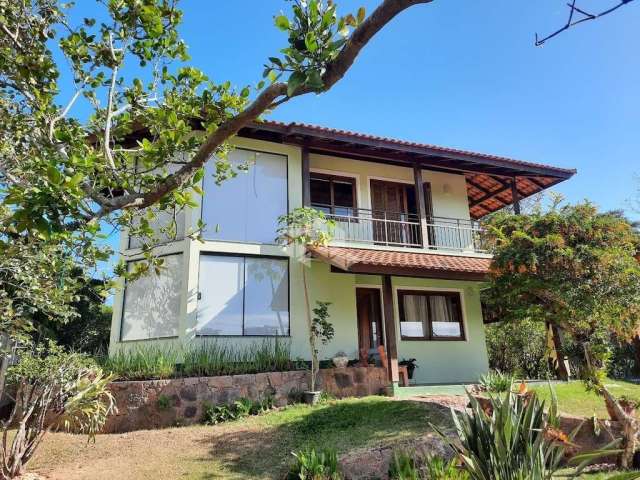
column 405, row 268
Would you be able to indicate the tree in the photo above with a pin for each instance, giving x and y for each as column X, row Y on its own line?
column 301, row 228
column 575, row 268
column 53, row 389
column 65, row 176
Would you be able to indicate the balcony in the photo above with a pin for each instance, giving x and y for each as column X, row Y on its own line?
column 393, row 229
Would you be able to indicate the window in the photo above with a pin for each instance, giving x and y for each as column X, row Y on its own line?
column 151, row 307
column 333, row 194
column 243, row 296
column 246, row 208
column 430, row 315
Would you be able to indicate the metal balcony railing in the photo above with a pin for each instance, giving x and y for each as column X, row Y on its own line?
column 378, row 227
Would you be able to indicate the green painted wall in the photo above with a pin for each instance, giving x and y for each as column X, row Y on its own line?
column 438, row 361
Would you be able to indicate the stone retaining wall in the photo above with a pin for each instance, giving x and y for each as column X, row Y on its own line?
column 164, row 403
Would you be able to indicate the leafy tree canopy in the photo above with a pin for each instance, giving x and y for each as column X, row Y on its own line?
column 571, row 265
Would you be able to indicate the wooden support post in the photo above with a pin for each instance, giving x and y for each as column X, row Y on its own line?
column 390, row 330
column 422, row 205
column 515, row 195
column 306, row 178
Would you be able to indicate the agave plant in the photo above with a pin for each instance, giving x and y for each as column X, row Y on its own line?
column 514, row 439
column 496, row 382
column 517, row 437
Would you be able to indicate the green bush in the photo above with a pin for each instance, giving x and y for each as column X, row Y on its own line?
column 495, row 381
column 52, row 388
column 403, row 467
column 142, row 363
column 406, row 466
column 518, row 348
column 515, row 440
column 437, row 468
column 313, row 465
column 244, row 407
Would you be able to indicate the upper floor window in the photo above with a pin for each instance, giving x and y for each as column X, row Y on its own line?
column 430, row 315
column 333, row 194
column 246, row 208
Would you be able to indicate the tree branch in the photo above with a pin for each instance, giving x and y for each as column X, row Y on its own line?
column 585, row 17
column 273, row 95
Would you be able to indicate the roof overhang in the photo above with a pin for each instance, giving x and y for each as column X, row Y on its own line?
column 489, row 177
column 403, row 264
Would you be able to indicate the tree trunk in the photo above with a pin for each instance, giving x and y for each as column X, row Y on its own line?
column 5, row 352
column 636, row 354
column 560, row 366
column 629, row 423
column 312, row 339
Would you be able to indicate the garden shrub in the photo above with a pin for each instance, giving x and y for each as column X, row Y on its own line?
column 53, row 389
column 241, row 408
column 412, row 466
column 518, row 348
column 313, row 465
column 495, row 381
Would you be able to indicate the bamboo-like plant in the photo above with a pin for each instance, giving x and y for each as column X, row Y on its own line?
column 307, row 227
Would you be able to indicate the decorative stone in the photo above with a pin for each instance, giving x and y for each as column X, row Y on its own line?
column 190, row 411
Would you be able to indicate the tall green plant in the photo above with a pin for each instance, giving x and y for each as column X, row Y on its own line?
column 53, row 389
column 313, row 465
column 309, row 228
column 515, row 439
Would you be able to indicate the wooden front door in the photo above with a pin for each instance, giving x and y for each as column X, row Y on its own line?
column 369, row 318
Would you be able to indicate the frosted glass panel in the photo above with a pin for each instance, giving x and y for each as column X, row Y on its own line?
column 446, row 329
column 152, row 303
column 266, row 309
column 246, row 208
column 220, row 290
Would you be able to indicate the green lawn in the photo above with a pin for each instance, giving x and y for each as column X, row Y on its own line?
column 575, row 400
column 256, row 447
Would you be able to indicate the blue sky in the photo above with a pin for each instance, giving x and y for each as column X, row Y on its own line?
column 467, row 75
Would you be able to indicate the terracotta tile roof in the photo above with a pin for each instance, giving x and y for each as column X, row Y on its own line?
column 395, row 141
column 429, row 265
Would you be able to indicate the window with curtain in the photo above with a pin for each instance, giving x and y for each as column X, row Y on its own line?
column 151, row 307
column 246, row 208
column 430, row 315
column 243, row 296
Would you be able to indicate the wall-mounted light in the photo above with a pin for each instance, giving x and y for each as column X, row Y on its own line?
column 447, row 190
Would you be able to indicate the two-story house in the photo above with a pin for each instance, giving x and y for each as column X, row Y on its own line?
column 405, row 269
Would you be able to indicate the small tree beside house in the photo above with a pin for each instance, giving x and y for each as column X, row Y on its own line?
column 574, row 268
column 301, row 228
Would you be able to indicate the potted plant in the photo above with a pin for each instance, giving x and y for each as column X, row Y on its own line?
column 304, row 227
column 321, row 330
column 410, row 364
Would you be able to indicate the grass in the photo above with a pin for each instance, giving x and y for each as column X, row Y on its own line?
column 253, row 448
column 575, row 400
